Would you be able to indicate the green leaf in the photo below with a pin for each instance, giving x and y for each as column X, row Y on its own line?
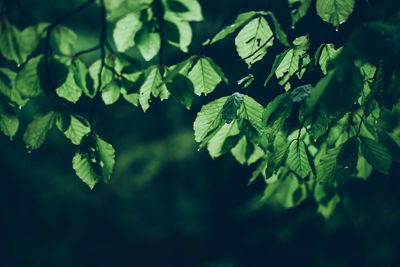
column 69, row 89
column 125, row 30
column 94, row 69
column 328, row 54
column 111, row 92
column 376, row 154
column 148, row 42
column 37, row 130
column 253, row 40
column 279, row 33
column 221, row 141
column 251, row 111
column 364, row 169
column 8, row 42
column 239, row 21
column 65, row 39
column 182, row 89
column 178, row 33
column 327, row 167
column 297, row 159
column 9, row 122
column 246, row 81
column 8, row 88
column 78, row 128
column 218, row 70
column 28, row 81
column 335, row 12
column 176, row 6
column 231, row 107
column 300, row 11
column 152, row 85
column 277, row 62
column 94, row 161
column 347, row 157
column 204, row 77
column 208, row 119
column 116, row 9
column 391, row 145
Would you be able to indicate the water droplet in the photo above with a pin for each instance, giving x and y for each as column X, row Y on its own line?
column 101, row 164
column 233, row 25
column 293, row 27
column 93, row 160
column 198, row 149
column 336, row 30
column 345, row 167
column 20, row 107
column 18, row 65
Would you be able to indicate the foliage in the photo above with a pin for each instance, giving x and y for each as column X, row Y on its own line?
column 316, row 133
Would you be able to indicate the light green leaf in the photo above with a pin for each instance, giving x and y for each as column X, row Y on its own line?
column 78, row 128
column 239, row 21
column 253, row 40
column 94, row 161
column 335, row 12
column 28, row 40
column 301, row 10
column 37, row 130
column 391, row 144
column 231, row 107
column 277, row 62
column 246, row 81
column 364, row 169
column 111, row 92
column 204, row 77
column 27, row 81
column 192, row 12
column 94, row 69
column 125, row 30
column 221, row 141
column 148, row 42
column 152, row 85
column 252, row 111
column 65, row 39
column 8, row 88
column 328, row 54
column 297, row 159
column 376, row 154
column 208, row 119
column 69, row 90
column 9, row 35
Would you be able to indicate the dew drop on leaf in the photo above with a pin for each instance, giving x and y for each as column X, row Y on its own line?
column 336, row 30
column 293, row 27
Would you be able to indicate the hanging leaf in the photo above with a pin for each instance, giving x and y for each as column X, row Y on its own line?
column 148, row 42
column 328, row 54
column 69, row 89
column 111, row 92
column 37, row 130
column 335, row 12
column 9, row 122
column 65, row 39
column 300, row 11
column 376, row 154
column 327, row 167
column 348, row 156
column 297, row 159
column 253, row 40
column 182, row 89
column 125, row 30
column 28, row 80
column 94, row 160
column 204, row 76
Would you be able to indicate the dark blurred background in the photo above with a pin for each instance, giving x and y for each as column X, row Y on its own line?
column 168, row 204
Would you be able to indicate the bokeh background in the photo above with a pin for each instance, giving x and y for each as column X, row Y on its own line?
column 169, row 204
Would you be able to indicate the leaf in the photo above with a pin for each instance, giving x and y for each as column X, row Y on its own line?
column 348, row 156
column 8, row 42
column 204, row 77
column 221, row 141
column 277, row 62
column 328, row 54
column 208, row 119
column 94, row 70
column 147, row 42
column 218, row 70
column 231, row 107
column 300, row 11
column 78, row 128
column 152, row 84
column 376, row 154
column 326, row 168
column 178, row 33
column 240, row 151
column 297, row 159
column 9, row 122
column 246, row 81
column 335, row 12
column 52, row 74
column 176, row 6
column 239, row 21
column 94, row 160
column 69, row 89
column 37, row 130
column 253, row 40
column 391, row 145
column 65, row 39
column 8, row 88
column 279, row 33
column 182, row 89
column 125, row 30
column 111, row 92
column 27, row 80
column 252, row 112
column 300, row 93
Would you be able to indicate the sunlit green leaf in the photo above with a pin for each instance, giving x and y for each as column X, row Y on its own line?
column 376, row 154
column 335, row 12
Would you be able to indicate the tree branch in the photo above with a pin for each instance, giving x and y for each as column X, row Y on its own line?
column 258, row 49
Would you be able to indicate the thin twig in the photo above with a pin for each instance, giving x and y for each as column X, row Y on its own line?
column 23, row 12
column 222, row 26
column 87, row 50
column 258, row 49
column 102, row 66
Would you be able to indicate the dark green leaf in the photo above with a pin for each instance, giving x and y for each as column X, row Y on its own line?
column 231, row 107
